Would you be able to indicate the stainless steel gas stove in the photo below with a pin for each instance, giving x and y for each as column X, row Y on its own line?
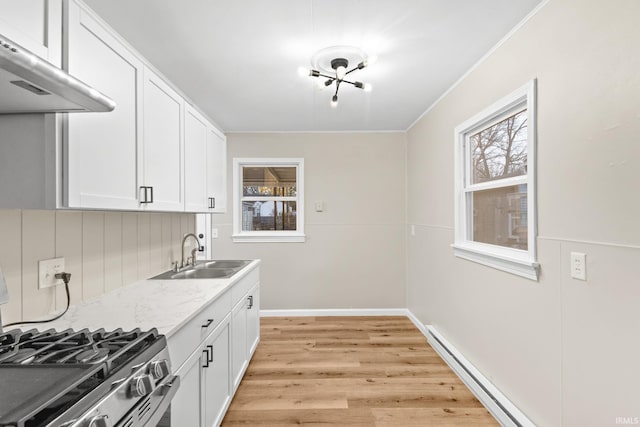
column 84, row 378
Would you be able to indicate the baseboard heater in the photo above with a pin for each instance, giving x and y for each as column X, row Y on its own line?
column 500, row 407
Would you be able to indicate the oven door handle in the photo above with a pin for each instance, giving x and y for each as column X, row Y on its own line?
column 167, row 390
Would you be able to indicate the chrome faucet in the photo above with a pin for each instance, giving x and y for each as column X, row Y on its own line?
column 193, row 252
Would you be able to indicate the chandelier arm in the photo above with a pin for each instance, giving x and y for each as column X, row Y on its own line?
column 325, row 75
column 351, row 83
column 351, row 71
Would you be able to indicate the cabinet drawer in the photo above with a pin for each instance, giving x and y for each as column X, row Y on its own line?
column 187, row 339
column 241, row 288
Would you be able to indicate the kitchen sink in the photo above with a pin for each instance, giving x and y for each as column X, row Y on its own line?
column 212, row 269
column 223, row 263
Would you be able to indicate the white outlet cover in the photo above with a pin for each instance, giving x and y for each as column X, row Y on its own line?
column 579, row 265
column 47, row 270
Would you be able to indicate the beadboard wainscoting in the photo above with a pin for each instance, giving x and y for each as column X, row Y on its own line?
column 102, row 251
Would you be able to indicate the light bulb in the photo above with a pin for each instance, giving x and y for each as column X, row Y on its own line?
column 368, row 87
column 334, row 101
column 341, row 72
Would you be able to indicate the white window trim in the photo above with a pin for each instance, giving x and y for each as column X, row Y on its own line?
column 282, row 236
column 520, row 262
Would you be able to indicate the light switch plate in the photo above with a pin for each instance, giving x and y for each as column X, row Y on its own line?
column 47, row 269
column 579, row 265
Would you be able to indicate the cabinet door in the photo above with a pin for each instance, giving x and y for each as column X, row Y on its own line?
column 253, row 321
column 238, row 342
column 162, row 144
column 195, row 166
column 185, row 405
column 216, row 171
column 102, row 148
column 216, row 390
column 35, row 25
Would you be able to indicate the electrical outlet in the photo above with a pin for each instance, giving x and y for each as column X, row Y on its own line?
column 47, row 270
column 579, row 266
column 214, row 233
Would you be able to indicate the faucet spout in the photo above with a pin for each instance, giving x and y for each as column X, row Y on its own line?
column 184, row 240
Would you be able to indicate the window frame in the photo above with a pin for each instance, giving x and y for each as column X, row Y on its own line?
column 267, row 236
column 516, row 261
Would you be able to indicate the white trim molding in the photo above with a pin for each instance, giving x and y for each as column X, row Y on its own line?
column 336, row 312
column 522, row 262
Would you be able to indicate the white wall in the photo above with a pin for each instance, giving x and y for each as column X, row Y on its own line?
column 102, row 251
column 354, row 255
column 565, row 351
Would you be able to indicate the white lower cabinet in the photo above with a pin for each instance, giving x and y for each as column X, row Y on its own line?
column 245, row 330
column 216, row 386
column 239, row 347
column 253, row 320
column 211, row 352
column 185, row 405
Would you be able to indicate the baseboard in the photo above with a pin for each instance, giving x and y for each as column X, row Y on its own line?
column 507, row 414
column 336, row 312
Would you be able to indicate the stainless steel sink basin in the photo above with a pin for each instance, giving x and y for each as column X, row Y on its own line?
column 224, row 263
column 221, row 269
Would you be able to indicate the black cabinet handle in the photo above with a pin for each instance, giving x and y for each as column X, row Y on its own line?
column 207, row 323
column 250, row 299
column 210, row 348
column 212, row 202
column 147, row 194
column 206, row 360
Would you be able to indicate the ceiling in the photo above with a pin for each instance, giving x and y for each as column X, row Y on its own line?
column 238, row 60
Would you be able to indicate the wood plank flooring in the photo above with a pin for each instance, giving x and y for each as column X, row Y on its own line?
column 350, row 371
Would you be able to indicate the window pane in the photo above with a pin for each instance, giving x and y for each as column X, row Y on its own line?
column 269, row 181
column 500, row 151
column 268, row 215
column 500, row 216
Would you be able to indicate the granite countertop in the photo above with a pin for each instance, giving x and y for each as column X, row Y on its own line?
column 162, row 304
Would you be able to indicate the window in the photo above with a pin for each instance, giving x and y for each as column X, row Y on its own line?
column 495, row 185
column 268, row 200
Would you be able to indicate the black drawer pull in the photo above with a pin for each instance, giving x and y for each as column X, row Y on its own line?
column 209, row 322
column 206, row 361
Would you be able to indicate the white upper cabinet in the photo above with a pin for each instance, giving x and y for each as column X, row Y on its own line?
column 195, row 161
column 162, row 148
column 205, row 164
column 35, row 25
column 153, row 152
column 102, row 148
column 216, row 171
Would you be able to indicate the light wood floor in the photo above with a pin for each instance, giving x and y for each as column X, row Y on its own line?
column 350, row 371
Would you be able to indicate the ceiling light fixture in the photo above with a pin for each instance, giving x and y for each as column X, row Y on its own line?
column 333, row 62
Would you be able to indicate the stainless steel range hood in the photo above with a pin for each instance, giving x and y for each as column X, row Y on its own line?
column 29, row 84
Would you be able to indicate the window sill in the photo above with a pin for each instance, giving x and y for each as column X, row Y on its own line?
column 266, row 237
column 527, row 269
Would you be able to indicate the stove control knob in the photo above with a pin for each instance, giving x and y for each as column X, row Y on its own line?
column 140, row 386
column 159, row 369
column 100, row 421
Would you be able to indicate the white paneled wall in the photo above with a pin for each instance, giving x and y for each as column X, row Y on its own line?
column 102, row 251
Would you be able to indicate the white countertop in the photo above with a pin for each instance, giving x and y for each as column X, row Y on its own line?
column 162, row 304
